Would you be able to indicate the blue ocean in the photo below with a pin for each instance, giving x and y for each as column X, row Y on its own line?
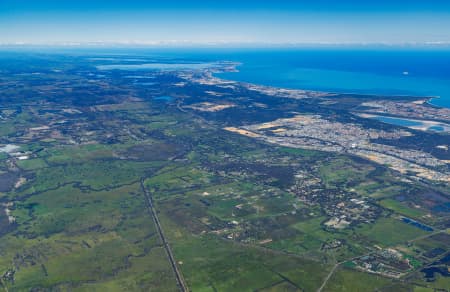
column 423, row 72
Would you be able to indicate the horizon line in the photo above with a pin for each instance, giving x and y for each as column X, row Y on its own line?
column 218, row 44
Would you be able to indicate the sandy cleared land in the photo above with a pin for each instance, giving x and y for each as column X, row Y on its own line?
column 242, row 132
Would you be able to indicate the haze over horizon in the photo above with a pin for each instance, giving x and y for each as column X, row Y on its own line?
column 224, row 22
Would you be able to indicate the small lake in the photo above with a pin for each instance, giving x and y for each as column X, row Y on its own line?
column 398, row 121
column 414, row 124
column 164, row 98
column 417, row 224
column 430, row 272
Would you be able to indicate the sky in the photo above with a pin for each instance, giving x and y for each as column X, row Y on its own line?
column 224, row 22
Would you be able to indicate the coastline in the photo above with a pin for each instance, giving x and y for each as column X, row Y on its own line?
column 232, row 68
